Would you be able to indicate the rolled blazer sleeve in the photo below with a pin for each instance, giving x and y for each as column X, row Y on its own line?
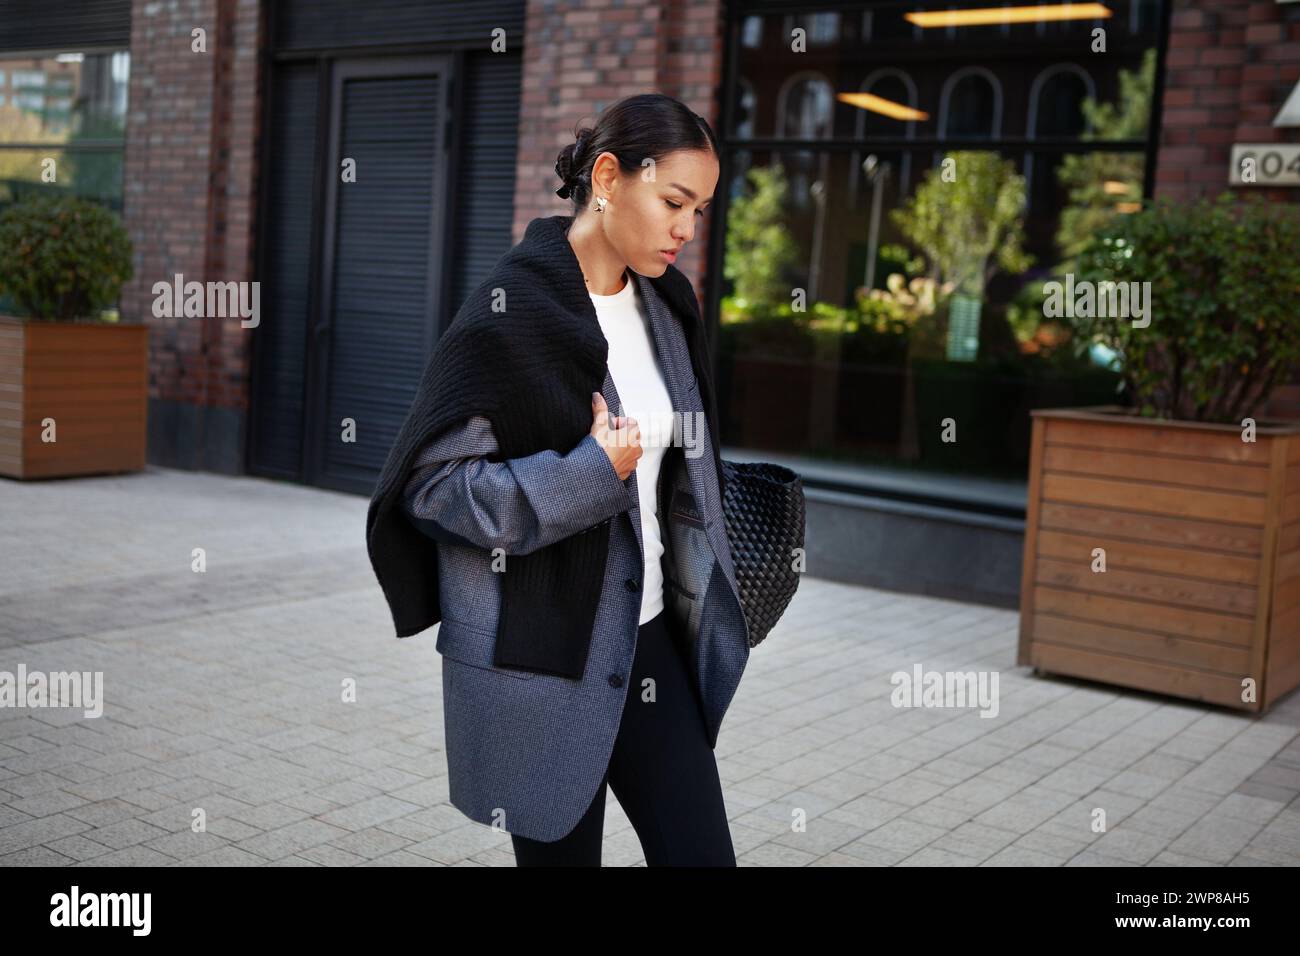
column 453, row 494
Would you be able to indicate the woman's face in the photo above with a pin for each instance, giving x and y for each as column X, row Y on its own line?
column 652, row 214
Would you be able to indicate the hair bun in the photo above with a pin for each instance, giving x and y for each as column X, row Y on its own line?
column 570, row 161
column 580, row 146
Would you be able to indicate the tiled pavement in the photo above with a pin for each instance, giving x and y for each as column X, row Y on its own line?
column 223, row 692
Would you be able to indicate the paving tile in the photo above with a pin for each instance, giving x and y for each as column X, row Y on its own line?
column 224, row 697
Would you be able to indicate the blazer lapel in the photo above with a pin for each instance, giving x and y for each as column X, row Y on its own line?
column 616, row 408
column 674, row 357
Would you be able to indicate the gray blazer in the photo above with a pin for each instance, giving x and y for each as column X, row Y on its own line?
column 524, row 750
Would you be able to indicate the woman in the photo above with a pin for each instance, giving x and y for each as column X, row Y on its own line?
column 554, row 501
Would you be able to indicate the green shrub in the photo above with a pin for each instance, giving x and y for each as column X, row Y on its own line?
column 1225, row 280
column 64, row 257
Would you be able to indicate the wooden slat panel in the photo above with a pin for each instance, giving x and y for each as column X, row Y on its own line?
column 1131, row 525
column 1129, row 672
column 132, row 412
column 1154, row 498
column 100, row 338
column 80, row 361
column 1287, row 566
column 1285, row 624
column 92, row 379
column 1283, row 674
column 82, row 445
column 97, row 464
column 105, row 425
column 1145, row 466
column 1287, row 593
column 1122, row 554
column 61, row 378
column 1289, row 537
column 1166, row 439
column 1147, row 586
column 1278, row 631
column 1145, row 615
column 87, row 395
column 1127, row 642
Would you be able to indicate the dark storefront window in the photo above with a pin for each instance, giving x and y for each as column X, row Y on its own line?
column 864, row 154
column 69, row 108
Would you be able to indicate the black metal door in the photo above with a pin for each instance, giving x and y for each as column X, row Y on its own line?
column 358, row 278
column 380, row 262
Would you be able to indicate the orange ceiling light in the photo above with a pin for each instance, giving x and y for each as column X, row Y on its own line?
column 986, row 16
column 878, row 104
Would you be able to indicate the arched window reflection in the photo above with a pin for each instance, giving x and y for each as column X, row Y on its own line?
column 896, row 86
column 804, row 107
column 1056, row 102
column 804, row 110
column 971, row 105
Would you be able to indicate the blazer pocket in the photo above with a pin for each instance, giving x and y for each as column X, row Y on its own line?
column 470, row 644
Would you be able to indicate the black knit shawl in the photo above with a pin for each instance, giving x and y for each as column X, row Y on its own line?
column 526, row 351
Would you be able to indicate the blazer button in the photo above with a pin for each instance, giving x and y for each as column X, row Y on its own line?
column 615, row 680
column 631, row 585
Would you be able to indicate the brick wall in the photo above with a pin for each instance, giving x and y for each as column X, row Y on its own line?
column 1231, row 65
column 582, row 55
column 191, row 143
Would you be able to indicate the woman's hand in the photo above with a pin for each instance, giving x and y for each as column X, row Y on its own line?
column 622, row 442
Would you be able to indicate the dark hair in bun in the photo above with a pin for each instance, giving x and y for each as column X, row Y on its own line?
column 636, row 128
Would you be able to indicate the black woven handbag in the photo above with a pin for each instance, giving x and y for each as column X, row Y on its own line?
column 763, row 508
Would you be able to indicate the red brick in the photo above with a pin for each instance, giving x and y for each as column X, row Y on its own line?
column 1265, row 33
column 1257, row 134
column 1223, row 56
column 1216, row 135
column 1186, row 117
column 1215, row 96
column 1259, row 73
column 1189, row 40
column 1182, row 156
column 1282, row 52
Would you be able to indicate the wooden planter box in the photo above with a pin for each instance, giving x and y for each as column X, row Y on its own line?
column 1201, row 532
column 92, row 378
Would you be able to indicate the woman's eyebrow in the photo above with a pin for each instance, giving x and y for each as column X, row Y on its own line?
column 689, row 193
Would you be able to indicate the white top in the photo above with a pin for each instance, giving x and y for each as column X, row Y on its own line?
column 634, row 367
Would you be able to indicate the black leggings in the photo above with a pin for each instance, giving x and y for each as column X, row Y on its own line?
column 662, row 770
